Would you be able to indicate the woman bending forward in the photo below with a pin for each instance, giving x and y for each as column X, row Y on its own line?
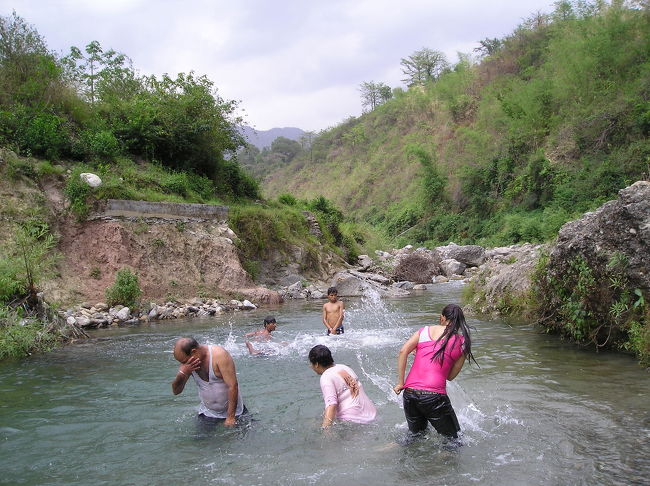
column 441, row 352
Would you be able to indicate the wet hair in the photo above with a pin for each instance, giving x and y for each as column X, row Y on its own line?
column 187, row 345
column 455, row 324
column 332, row 290
column 269, row 320
column 321, row 355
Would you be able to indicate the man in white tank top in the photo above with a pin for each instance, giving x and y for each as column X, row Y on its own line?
column 213, row 370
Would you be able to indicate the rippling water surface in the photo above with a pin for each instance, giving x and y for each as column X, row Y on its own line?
column 538, row 411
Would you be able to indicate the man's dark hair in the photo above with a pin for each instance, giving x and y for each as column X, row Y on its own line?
column 321, row 355
column 332, row 290
column 187, row 345
column 269, row 320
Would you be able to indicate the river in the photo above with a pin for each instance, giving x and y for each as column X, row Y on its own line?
column 538, row 411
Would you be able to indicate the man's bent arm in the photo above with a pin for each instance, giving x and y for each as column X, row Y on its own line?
column 178, row 385
column 183, row 374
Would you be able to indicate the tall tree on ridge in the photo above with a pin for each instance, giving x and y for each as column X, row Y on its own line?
column 423, row 66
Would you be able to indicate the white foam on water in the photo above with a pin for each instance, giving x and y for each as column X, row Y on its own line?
column 381, row 380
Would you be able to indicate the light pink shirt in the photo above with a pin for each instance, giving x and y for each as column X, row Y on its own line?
column 359, row 409
column 428, row 375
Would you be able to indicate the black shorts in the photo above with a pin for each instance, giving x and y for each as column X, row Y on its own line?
column 339, row 330
column 434, row 408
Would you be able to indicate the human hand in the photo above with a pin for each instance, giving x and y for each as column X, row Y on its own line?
column 192, row 364
column 352, row 384
column 398, row 389
column 230, row 421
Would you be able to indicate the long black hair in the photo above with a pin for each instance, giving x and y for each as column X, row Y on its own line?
column 455, row 324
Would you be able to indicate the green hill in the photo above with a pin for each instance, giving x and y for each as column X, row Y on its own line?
column 549, row 123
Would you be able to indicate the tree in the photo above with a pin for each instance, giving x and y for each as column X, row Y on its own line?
column 29, row 72
column 306, row 141
column 488, row 46
column 374, row 94
column 423, row 66
column 101, row 75
column 286, row 148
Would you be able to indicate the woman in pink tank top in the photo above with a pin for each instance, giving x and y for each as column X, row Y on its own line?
column 440, row 353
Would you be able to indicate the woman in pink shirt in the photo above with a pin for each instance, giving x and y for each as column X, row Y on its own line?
column 342, row 391
column 440, row 353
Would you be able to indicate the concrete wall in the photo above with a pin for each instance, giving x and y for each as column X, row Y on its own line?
column 146, row 209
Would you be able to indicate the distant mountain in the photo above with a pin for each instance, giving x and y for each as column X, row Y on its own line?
column 264, row 138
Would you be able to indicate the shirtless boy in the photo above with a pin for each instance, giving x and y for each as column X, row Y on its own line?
column 262, row 335
column 333, row 312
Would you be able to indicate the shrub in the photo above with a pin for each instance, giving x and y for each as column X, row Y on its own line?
column 415, row 268
column 20, row 337
column 99, row 144
column 77, row 192
column 287, row 199
column 125, row 291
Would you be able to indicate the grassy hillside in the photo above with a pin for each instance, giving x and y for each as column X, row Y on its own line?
column 500, row 150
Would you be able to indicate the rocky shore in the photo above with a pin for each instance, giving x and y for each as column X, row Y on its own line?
column 99, row 315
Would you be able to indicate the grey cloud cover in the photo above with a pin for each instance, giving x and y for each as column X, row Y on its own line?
column 291, row 63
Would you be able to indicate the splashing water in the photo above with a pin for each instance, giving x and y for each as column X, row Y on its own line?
column 526, row 416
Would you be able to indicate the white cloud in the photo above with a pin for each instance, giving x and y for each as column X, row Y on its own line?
column 291, row 63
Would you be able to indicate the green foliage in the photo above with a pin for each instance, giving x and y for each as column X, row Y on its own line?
column 20, row 337
column 45, row 169
column 551, row 123
column 423, row 66
column 374, row 94
column 287, row 199
column 261, row 230
column 92, row 105
column 26, row 261
column 77, row 192
column 18, row 167
column 433, row 183
column 125, row 291
column 574, row 301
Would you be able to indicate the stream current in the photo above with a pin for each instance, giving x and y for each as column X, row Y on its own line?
column 538, row 411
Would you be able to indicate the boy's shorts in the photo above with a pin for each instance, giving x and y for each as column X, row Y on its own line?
column 340, row 330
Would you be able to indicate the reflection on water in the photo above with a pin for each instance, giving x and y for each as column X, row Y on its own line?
column 537, row 411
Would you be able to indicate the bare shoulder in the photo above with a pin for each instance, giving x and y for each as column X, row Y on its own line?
column 220, row 352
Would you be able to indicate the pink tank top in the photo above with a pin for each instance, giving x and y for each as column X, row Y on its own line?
column 428, row 375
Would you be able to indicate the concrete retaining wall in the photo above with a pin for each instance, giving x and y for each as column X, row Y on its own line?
column 119, row 207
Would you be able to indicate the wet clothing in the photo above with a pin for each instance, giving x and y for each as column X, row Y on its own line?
column 428, row 375
column 339, row 330
column 435, row 408
column 425, row 389
column 336, row 391
column 214, row 394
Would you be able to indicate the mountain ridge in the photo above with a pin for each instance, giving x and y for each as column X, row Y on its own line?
column 264, row 138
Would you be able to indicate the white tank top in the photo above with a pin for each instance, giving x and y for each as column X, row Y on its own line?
column 214, row 394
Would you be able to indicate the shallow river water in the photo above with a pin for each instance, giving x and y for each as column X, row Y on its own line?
column 538, row 411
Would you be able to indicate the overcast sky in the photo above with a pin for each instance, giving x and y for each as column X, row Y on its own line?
column 290, row 63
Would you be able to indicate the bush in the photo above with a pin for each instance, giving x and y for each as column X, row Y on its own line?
column 125, row 291
column 77, row 192
column 287, row 199
column 415, row 268
column 100, row 144
column 11, row 284
column 20, row 337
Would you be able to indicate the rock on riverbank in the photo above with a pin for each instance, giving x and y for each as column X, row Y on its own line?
column 99, row 315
